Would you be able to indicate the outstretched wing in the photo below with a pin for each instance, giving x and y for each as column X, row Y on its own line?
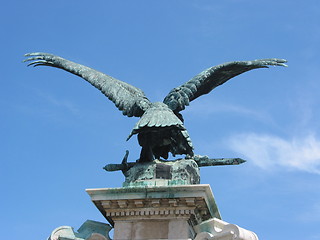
column 127, row 98
column 212, row 77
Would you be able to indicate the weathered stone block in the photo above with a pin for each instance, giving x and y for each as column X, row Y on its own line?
column 163, row 173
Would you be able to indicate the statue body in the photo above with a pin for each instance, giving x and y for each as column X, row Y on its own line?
column 160, row 129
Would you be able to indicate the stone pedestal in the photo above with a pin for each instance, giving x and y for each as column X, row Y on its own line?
column 156, row 212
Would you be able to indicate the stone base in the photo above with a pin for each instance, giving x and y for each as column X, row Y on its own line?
column 166, row 212
column 163, row 173
column 169, row 212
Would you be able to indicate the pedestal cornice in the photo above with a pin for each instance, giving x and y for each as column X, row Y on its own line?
column 195, row 202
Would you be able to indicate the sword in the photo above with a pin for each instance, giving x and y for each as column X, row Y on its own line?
column 202, row 161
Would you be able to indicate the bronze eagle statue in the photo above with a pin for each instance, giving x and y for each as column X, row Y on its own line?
column 160, row 128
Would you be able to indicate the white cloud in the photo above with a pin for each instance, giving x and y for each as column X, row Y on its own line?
column 312, row 214
column 208, row 108
column 270, row 152
column 61, row 103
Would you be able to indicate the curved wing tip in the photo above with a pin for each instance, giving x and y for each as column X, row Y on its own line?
column 282, row 62
column 32, row 54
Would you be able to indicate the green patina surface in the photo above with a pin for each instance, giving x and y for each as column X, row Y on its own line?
column 167, row 172
column 163, row 173
column 160, row 129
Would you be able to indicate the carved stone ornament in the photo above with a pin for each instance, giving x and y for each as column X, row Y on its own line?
column 90, row 230
column 217, row 229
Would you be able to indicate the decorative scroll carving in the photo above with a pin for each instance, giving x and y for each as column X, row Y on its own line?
column 90, row 230
column 217, row 229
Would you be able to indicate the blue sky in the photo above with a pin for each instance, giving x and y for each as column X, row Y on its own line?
column 57, row 132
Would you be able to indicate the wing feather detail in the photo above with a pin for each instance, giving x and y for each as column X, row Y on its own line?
column 206, row 81
column 127, row 98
